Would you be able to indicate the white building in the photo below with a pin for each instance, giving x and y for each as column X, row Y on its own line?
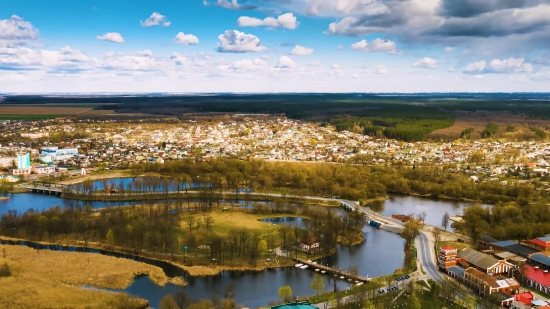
column 50, row 154
column 8, row 161
column 35, row 135
column 43, row 169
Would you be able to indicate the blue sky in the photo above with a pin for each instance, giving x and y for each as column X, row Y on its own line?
column 274, row 46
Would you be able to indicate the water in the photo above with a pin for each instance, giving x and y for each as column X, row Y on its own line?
column 434, row 208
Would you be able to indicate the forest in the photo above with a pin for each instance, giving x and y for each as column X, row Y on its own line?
column 349, row 181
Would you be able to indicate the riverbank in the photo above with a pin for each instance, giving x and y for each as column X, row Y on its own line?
column 99, row 176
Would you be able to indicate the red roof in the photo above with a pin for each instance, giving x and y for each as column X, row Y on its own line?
column 540, row 243
column 447, row 248
column 525, row 298
column 538, row 275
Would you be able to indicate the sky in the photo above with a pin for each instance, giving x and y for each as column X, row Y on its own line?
column 190, row 46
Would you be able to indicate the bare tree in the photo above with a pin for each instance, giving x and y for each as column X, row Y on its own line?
column 445, row 221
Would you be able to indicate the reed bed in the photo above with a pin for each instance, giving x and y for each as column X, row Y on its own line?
column 77, row 268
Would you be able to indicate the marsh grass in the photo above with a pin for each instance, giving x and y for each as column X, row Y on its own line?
column 77, row 268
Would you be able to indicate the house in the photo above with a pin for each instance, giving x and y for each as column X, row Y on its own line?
column 537, row 278
column 483, row 262
column 540, row 260
column 22, row 171
column 309, row 244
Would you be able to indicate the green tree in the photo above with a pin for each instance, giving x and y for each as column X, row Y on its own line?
column 318, row 285
column 285, row 293
column 415, row 303
column 110, row 237
column 262, row 247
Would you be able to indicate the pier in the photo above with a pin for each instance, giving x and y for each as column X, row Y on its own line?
column 342, row 274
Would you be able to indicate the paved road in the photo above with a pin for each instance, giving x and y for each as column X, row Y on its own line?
column 426, row 255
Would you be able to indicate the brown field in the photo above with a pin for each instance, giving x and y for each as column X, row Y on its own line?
column 76, row 268
column 479, row 120
column 42, row 110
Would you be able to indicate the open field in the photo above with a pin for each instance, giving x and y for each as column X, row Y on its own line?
column 76, row 268
column 41, row 110
column 479, row 120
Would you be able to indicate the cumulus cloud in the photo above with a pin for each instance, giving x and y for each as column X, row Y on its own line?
column 247, row 64
column 380, row 69
column 114, row 37
column 335, row 66
column 340, row 47
column 378, row 45
column 16, row 31
column 301, row 51
column 448, row 49
column 186, row 39
column 286, row 21
column 234, row 5
column 426, row 63
column 155, row 19
column 233, row 41
column 512, row 65
column 314, row 63
column 474, row 68
column 286, row 63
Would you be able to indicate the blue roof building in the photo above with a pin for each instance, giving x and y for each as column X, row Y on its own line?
column 297, row 305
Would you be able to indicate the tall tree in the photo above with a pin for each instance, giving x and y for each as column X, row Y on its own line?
column 445, row 220
column 285, row 293
column 318, row 285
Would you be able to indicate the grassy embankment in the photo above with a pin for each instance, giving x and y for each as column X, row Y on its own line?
column 49, row 279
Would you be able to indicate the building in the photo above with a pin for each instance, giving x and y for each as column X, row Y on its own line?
column 8, row 161
column 486, row 284
column 22, row 171
column 541, row 244
column 35, row 135
column 447, row 257
column 537, row 278
column 43, row 169
column 51, row 154
column 296, row 305
column 9, row 178
column 483, row 262
column 309, row 244
column 541, row 260
column 23, row 160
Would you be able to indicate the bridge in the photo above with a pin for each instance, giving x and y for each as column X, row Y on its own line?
column 45, row 188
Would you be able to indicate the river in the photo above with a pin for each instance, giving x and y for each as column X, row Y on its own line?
column 380, row 254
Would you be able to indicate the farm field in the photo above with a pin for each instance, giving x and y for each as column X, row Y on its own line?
column 479, row 120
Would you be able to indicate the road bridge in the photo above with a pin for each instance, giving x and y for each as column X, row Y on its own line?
column 44, row 188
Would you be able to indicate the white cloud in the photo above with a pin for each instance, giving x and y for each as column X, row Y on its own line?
column 286, row 63
column 16, row 31
column 287, row 21
column 186, row 39
column 515, row 65
column 248, row 65
column 479, row 76
column 335, row 66
column 475, row 67
column 520, row 79
column 114, row 37
column 541, row 77
column 511, row 65
column 378, row 45
column 233, row 5
column 427, row 63
column 314, row 63
column 355, row 76
column 351, row 26
column 380, row 69
column 301, row 51
column 233, row 41
column 451, row 70
column 155, row 19
column 340, row 47
column 449, row 49
column 144, row 53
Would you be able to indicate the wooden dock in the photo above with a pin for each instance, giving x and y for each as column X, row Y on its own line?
column 336, row 272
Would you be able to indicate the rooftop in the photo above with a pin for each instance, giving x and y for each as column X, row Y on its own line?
column 522, row 250
column 540, row 242
column 537, row 275
column 476, row 258
column 541, row 258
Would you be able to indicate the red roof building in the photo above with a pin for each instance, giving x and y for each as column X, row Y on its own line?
column 537, row 278
column 524, row 298
column 542, row 244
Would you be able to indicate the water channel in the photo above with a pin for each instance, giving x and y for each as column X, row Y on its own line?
column 380, row 254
